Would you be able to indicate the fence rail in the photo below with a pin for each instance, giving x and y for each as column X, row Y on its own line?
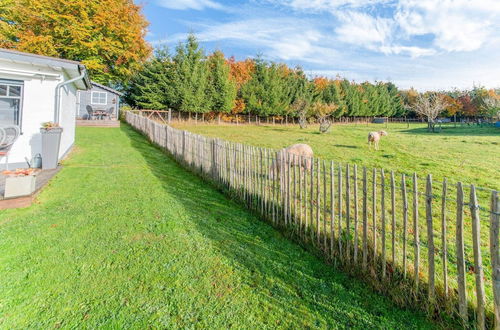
column 172, row 116
column 425, row 243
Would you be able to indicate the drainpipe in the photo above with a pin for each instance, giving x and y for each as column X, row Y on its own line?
column 58, row 93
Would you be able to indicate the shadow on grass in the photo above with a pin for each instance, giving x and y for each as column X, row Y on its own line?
column 286, row 278
column 345, row 146
column 456, row 131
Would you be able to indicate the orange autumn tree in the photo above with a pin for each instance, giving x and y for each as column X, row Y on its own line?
column 240, row 72
column 105, row 35
column 453, row 106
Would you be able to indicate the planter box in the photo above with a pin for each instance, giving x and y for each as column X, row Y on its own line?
column 51, row 140
column 19, row 186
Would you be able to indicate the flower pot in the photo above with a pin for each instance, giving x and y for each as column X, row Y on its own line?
column 51, row 141
column 19, row 186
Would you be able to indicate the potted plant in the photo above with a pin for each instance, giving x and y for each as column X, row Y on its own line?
column 19, row 183
column 51, row 140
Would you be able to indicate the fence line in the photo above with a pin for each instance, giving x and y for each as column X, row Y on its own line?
column 172, row 116
column 440, row 260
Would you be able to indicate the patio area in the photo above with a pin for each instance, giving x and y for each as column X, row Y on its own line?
column 98, row 122
column 42, row 178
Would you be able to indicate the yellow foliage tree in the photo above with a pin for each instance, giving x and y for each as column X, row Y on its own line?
column 105, row 35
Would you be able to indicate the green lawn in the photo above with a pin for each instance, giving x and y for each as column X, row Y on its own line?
column 124, row 237
column 470, row 155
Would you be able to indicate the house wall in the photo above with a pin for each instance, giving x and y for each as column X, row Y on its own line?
column 38, row 107
column 67, row 118
column 85, row 98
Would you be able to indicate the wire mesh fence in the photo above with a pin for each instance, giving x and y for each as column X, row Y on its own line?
column 425, row 243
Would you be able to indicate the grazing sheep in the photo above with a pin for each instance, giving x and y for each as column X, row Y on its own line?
column 293, row 152
column 374, row 138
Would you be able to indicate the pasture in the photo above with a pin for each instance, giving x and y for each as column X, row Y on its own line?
column 427, row 155
column 470, row 155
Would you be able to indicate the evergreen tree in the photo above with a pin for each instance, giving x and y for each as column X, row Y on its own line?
column 221, row 91
column 152, row 87
column 266, row 93
column 190, row 77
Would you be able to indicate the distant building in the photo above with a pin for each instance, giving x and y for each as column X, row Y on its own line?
column 98, row 98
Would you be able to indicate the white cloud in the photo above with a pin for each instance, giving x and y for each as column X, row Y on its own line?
column 423, row 44
column 282, row 39
column 189, row 4
column 457, row 25
column 364, row 30
column 450, row 25
column 327, row 5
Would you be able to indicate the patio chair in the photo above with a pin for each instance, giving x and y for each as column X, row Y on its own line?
column 110, row 112
column 8, row 135
column 90, row 112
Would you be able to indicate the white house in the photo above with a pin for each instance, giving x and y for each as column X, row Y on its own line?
column 36, row 89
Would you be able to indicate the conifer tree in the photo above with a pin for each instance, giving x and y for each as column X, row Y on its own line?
column 190, row 77
column 221, row 91
column 152, row 86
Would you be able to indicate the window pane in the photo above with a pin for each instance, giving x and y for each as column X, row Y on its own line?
column 3, row 90
column 9, row 111
column 14, row 90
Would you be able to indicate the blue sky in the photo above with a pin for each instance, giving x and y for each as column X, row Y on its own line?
column 426, row 44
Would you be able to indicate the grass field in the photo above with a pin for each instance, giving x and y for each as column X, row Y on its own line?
column 124, row 237
column 470, row 155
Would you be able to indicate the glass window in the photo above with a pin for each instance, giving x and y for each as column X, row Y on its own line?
column 99, row 98
column 10, row 103
column 15, row 91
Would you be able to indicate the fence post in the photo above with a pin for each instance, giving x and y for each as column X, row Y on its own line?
column 348, row 211
column 355, row 186
column 478, row 260
column 405, row 220
column 374, row 214
column 318, row 202
column 443, row 237
column 393, row 219
column 332, row 208
column 430, row 236
column 415, row 230
column 365, row 220
column 382, row 211
column 325, row 202
column 462, row 294
column 339, row 217
column 494, row 253
column 312, row 198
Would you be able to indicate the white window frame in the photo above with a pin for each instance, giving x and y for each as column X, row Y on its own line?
column 99, row 98
column 17, row 83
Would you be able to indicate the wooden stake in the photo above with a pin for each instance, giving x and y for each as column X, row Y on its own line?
column 494, row 253
column 430, row 237
column 415, row 229
column 462, row 294
column 443, row 237
column 478, row 260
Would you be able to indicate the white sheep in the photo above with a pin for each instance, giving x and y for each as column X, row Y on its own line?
column 293, row 154
column 374, row 138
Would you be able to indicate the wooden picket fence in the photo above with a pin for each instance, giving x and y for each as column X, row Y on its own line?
column 421, row 242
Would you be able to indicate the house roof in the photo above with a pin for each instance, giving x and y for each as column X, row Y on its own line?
column 73, row 68
column 109, row 89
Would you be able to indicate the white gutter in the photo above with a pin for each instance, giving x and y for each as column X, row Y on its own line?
column 29, row 73
column 58, row 93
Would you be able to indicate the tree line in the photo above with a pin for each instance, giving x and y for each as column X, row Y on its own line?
column 190, row 81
